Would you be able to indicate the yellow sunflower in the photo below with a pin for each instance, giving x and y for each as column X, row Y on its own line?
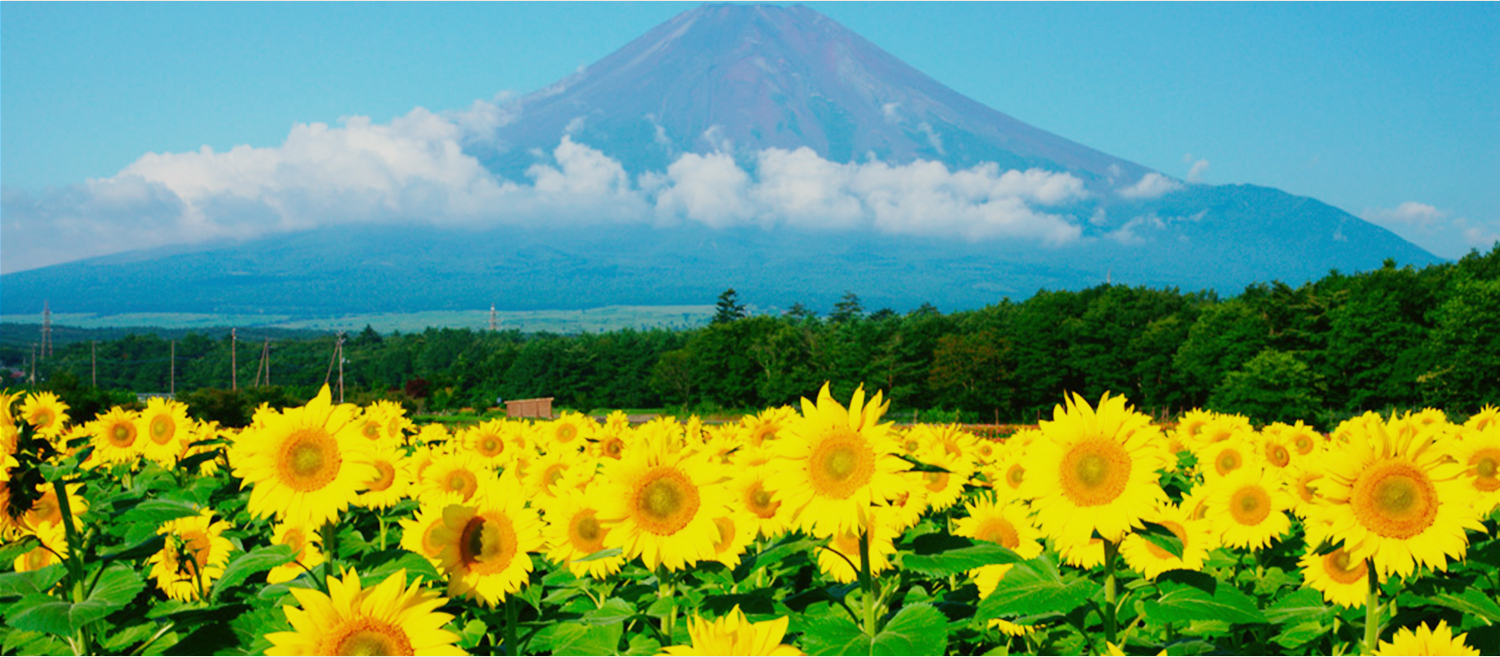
column 486, row 540
column 1222, row 458
column 1487, row 417
column 1149, row 560
column 47, row 415
column 998, row 519
column 392, row 480
column 162, row 428
column 458, row 472
column 53, row 548
column 1253, row 508
column 193, row 557
column 1426, row 640
column 905, row 509
column 573, row 531
column 838, row 463
column 767, row 425
column 1391, row 495
column 660, row 505
column 115, row 437
column 754, row 495
column 47, row 511
column 1086, row 555
column 557, row 471
column 307, row 464
column 1301, row 479
column 945, row 485
column 1341, row 580
column 419, row 534
column 737, row 530
column 734, row 634
column 487, row 441
column 308, row 556
column 1094, row 471
column 390, row 618
column 840, row 559
column 1479, row 454
column 570, row 431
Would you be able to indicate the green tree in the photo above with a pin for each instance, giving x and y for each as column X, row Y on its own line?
column 847, row 309
column 1274, row 386
column 1464, row 347
column 729, row 308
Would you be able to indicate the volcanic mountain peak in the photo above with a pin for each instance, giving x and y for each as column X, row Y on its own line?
column 744, row 78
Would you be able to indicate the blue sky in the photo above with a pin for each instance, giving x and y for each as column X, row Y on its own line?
column 1388, row 111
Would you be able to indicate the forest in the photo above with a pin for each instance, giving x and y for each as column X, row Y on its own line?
column 1389, row 339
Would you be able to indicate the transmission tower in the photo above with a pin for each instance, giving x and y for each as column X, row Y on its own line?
column 494, row 319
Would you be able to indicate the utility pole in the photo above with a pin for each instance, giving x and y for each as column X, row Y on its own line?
column 94, row 362
column 262, row 366
column 494, row 319
column 234, row 374
column 173, row 375
column 33, row 363
column 46, row 329
column 341, row 366
column 267, row 351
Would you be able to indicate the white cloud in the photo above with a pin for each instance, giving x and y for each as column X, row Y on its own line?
column 1195, row 172
column 1151, row 185
column 1436, row 230
column 415, row 170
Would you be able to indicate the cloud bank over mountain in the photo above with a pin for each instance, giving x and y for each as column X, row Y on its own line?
column 416, row 169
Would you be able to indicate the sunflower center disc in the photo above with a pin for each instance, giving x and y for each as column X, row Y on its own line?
column 588, row 536
column 936, row 481
column 1250, row 505
column 463, row 482
column 1015, row 475
column 1486, row 463
column 1395, row 500
column 566, row 433
column 123, row 435
column 726, row 534
column 761, row 501
column 1280, row 457
column 841, row 464
column 667, row 501
column 1339, row 568
column 1227, row 462
column 999, row 530
column 1177, row 530
column 161, row 429
column 1095, row 472
column 491, row 446
column 371, row 637
column 310, row 460
column 385, row 476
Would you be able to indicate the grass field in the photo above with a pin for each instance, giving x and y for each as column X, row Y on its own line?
column 529, row 321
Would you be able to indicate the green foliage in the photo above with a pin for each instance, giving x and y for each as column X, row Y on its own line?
column 1272, row 387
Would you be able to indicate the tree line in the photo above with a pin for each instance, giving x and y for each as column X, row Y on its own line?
column 1392, row 338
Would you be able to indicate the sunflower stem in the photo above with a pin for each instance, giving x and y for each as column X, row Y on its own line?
column 330, row 534
column 1111, row 549
column 665, row 591
column 381, row 517
column 1372, row 612
column 512, row 617
column 867, row 583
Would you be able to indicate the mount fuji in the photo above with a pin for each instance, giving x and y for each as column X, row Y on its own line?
column 760, row 147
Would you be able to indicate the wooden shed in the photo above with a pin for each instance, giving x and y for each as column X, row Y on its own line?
column 540, row 407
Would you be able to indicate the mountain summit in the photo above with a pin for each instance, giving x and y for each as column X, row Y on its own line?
column 758, row 147
column 744, row 78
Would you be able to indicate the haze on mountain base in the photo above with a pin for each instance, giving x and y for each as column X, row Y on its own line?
column 749, row 126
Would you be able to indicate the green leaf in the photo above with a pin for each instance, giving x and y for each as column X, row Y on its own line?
column 140, row 550
column 1471, row 601
column 954, row 561
column 1162, row 537
column 1302, row 605
column 915, row 630
column 641, row 645
column 191, row 463
column 773, row 554
column 41, row 613
column 1297, row 634
column 1034, row 587
column 577, row 639
column 32, row 582
column 259, row 560
column 152, row 513
column 835, row 635
column 21, row 546
column 1186, row 604
column 614, row 611
column 602, row 554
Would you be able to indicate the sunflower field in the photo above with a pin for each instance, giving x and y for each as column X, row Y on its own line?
column 337, row 529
